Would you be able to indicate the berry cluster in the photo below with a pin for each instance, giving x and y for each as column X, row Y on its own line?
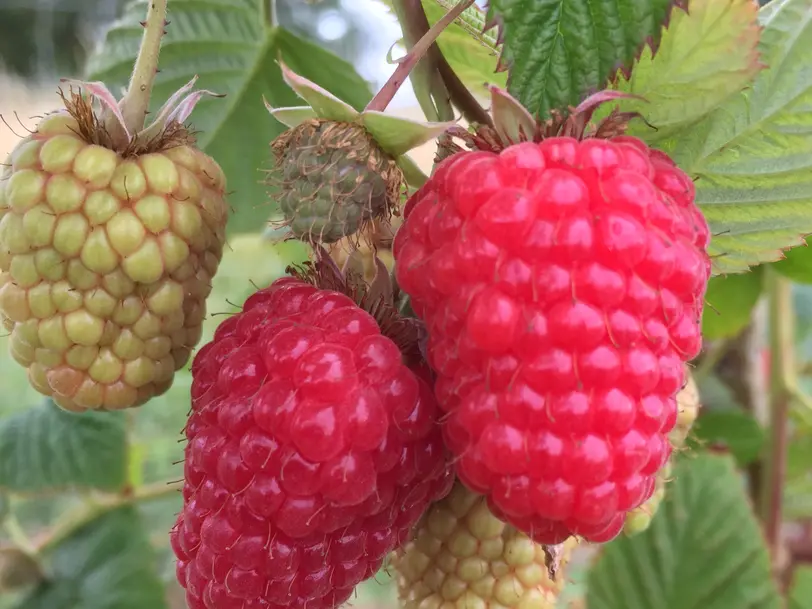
column 562, row 287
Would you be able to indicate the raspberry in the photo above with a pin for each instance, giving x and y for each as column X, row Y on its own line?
column 462, row 556
column 106, row 258
column 562, row 287
column 639, row 519
column 313, row 450
column 332, row 178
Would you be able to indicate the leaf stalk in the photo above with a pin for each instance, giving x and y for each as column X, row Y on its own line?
column 135, row 103
column 383, row 98
column 782, row 368
column 95, row 508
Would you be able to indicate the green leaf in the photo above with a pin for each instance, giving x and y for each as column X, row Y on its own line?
column 716, row 395
column 560, row 51
column 471, row 53
column 106, row 564
column 801, row 591
column 705, row 56
column 735, row 430
column 752, row 156
column 729, row 303
column 704, row 549
column 799, row 455
column 227, row 44
column 797, row 264
column 45, row 448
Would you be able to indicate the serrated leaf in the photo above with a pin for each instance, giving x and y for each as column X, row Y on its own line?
column 705, row 56
column 228, row 45
column 45, row 448
column 106, row 564
column 729, row 303
column 703, row 550
column 752, row 156
column 797, row 264
column 560, row 51
column 735, row 430
column 471, row 53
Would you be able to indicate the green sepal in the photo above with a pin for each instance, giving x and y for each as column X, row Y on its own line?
column 398, row 135
column 394, row 134
column 413, row 174
column 512, row 121
column 292, row 116
column 325, row 104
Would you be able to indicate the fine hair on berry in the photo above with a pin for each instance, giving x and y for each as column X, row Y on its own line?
column 313, row 449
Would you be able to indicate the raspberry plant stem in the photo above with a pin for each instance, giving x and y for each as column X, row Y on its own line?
column 426, row 81
column 271, row 16
column 17, row 534
column 782, row 366
column 445, row 86
column 95, row 508
column 407, row 64
column 135, row 104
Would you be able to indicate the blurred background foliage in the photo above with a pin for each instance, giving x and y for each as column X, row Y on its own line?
column 40, row 38
column 43, row 39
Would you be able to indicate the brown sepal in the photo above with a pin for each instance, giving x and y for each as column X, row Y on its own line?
column 93, row 131
column 379, row 298
column 512, row 124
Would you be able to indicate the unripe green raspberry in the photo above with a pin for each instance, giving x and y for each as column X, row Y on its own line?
column 106, row 259
column 463, row 557
column 331, row 178
column 688, row 404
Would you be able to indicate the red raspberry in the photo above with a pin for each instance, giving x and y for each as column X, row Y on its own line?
column 562, row 287
column 313, row 450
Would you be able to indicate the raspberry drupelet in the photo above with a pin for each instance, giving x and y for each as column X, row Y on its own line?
column 562, row 284
column 313, row 450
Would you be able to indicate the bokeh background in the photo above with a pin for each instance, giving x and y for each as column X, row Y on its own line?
column 43, row 40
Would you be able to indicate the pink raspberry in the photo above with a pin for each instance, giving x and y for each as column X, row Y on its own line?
column 562, row 286
column 313, row 450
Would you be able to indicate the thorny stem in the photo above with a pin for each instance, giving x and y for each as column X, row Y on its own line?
column 96, row 508
column 461, row 96
column 135, row 104
column 782, row 364
column 388, row 91
column 446, row 85
column 427, row 83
